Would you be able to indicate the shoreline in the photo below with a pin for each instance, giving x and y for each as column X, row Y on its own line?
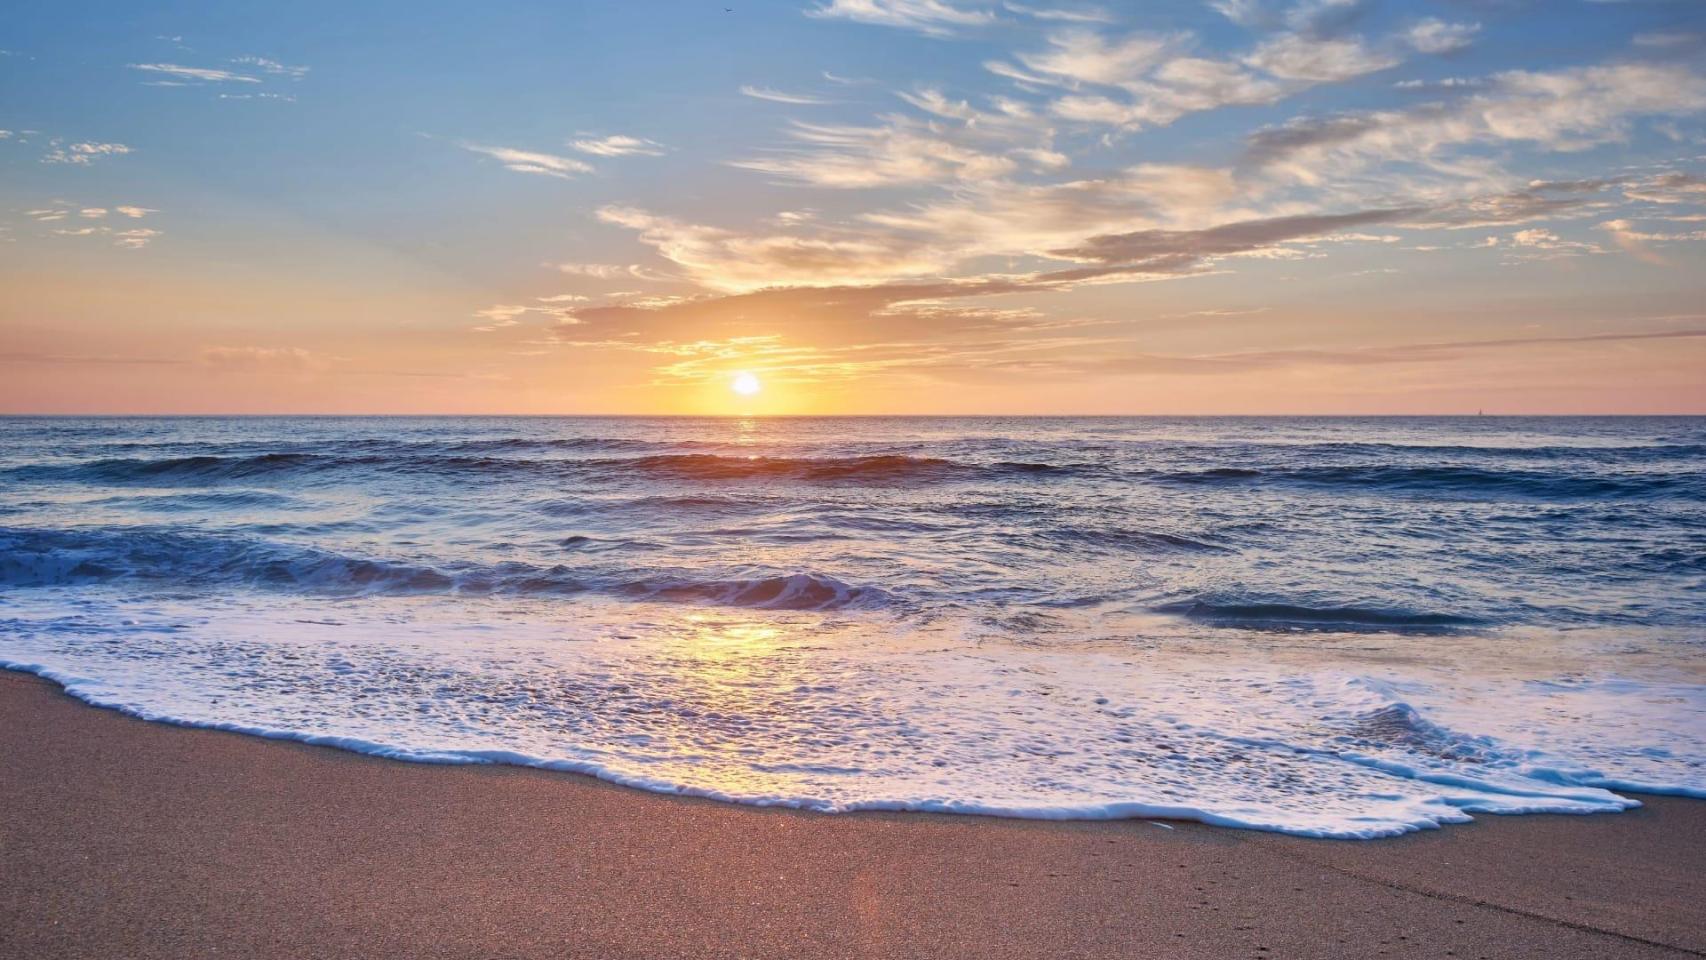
column 141, row 839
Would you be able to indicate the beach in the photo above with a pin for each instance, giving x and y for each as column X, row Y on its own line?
column 134, row 839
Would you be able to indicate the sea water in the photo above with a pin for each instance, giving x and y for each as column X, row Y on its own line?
column 1330, row 627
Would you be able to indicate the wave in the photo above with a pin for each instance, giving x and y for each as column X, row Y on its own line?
column 1299, row 616
column 603, row 508
column 197, row 470
column 53, row 558
column 707, row 466
column 205, row 500
column 1134, row 541
column 1460, row 480
column 796, row 592
column 1596, row 453
column 504, row 444
column 209, row 469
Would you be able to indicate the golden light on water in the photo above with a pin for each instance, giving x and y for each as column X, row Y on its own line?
column 746, row 384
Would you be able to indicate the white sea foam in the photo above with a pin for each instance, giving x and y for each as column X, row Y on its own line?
column 803, row 709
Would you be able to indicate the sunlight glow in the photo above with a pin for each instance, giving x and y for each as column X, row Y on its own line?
column 746, row 384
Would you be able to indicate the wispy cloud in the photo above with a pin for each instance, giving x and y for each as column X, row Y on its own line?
column 249, row 359
column 1437, row 36
column 272, row 66
column 505, row 315
column 82, row 154
column 617, row 145
column 936, row 18
column 1146, row 79
column 1064, row 14
column 782, row 96
column 200, row 74
column 1564, row 110
column 1638, row 243
column 730, row 260
column 1319, row 59
column 606, row 271
column 901, row 151
column 133, row 238
column 530, row 161
column 954, row 142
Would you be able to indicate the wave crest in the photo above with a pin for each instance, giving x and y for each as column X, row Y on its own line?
column 1293, row 616
column 53, row 558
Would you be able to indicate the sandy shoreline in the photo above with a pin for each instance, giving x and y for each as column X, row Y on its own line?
column 125, row 838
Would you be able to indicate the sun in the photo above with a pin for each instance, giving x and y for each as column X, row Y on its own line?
column 746, row 384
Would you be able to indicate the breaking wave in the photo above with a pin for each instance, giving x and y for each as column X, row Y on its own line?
column 1462, row 481
column 1294, row 616
column 49, row 558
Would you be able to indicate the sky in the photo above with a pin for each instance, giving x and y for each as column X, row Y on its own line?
column 870, row 206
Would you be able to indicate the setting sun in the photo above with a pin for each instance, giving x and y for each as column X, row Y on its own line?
column 746, row 384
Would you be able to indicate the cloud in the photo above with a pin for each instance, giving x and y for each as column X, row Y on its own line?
column 285, row 97
column 1412, row 353
column 1082, row 222
column 500, row 316
column 780, row 96
column 1318, row 60
column 82, row 154
column 1074, row 15
column 1002, row 218
column 1437, row 36
column 900, row 151
column 1444, row 83
column 1246, row 13
column 935, row 18
column 1635, row 242
column 1181, row 86
column 618, row 146
column 272, row 66
column 1160, row 80
column 509, row 315
column 1085, row 56
column 135, row 237
column 527, row 161
column 1539, row 200
column 607, row 271
column 1173, row 250
column 1669, row 188
column 955, row 142
column 249, row 359
column 1537, row 243
column 135, row 213
column 1564, row 110
column 727, row 260
column 909, row 331
column 200, row 74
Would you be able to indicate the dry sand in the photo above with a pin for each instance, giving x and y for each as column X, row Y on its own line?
column 125, row 839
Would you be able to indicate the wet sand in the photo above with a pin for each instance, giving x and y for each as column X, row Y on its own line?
column 121, row 838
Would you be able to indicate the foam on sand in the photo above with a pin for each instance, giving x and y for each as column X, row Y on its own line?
column 798, row 709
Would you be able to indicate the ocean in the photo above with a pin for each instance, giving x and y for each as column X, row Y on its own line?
column 1339, row 627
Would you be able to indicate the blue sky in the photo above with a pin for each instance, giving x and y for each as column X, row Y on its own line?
column 873, row 205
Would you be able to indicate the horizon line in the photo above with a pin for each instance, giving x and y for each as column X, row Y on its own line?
column 828, row 416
